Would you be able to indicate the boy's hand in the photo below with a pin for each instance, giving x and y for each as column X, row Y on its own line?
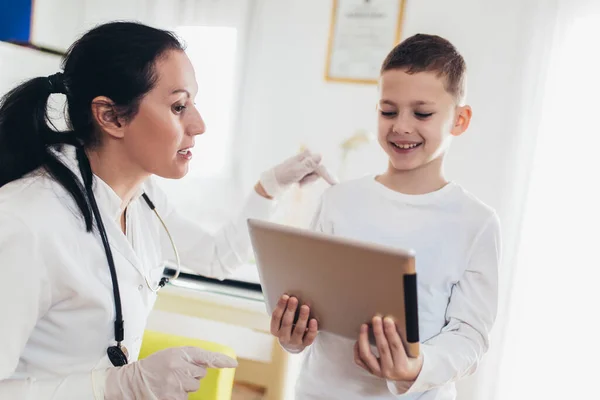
column 293, row 338
column 393, row 363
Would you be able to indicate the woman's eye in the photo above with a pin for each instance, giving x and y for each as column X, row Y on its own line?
column 423, row 115
column 387, row 113
column 179, row 109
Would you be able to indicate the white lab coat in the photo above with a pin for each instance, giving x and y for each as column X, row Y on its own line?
column 56, row 303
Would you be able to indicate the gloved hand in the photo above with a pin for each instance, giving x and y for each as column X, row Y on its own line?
column 302, row 169
column 165, row 375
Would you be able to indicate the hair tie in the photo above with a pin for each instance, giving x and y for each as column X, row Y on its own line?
column 56, row 83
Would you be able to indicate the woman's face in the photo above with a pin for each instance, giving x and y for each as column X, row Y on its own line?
column 160, row 136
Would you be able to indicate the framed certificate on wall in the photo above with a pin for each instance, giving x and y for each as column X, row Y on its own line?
column 361, row 34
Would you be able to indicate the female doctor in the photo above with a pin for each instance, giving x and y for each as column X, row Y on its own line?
column 84, row 231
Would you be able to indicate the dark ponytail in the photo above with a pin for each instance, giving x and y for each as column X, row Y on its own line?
column 25, row 137
column 24, row 132
column 116, row 60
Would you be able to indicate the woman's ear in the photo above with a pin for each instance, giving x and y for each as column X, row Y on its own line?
column 462, row 120
column 106, row 117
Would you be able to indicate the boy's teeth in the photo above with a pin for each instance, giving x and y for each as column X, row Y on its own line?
column 406, row 146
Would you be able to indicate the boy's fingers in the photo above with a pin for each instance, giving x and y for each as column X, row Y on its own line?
column 357, row 359
column 278, row 314
column 285, row 331
column 301, row 324
column 385, row 357
column 395, row 342
column 311, row 335
column 365, row 353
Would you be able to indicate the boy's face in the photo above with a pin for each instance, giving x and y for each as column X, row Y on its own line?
column 417, row 118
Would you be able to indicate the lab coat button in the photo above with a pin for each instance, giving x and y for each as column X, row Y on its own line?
column 140, row 287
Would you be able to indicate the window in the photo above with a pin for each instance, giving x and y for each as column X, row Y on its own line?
column 550, row 349
column 206, row 190
column 212, row 51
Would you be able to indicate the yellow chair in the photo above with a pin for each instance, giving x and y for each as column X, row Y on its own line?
column 218, row 383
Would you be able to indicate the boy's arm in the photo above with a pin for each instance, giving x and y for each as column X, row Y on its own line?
column 456, row 351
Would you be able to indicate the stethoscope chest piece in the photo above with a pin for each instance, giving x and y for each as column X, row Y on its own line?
column 117, row 355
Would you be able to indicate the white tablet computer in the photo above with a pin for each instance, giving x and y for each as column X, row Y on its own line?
column 345, row 282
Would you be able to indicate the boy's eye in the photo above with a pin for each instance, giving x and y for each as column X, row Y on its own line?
column 423, row 115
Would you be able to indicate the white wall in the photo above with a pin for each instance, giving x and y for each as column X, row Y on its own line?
column 58, row 23
column 18, row 64
column 287, row 103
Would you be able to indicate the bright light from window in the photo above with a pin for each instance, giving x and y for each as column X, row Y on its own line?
column 552, row 350
column 212, row 51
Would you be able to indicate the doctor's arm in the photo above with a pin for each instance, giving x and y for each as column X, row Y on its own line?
column 457, row 350
column 219, row 255
column 24, row 298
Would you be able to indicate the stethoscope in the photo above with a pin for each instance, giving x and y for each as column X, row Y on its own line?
column 118, row 354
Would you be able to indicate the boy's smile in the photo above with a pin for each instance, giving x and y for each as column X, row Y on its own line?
column 403, row 146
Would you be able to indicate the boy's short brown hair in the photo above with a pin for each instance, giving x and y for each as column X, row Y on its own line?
column 430, row 53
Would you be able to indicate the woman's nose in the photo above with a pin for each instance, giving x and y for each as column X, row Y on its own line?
column 197, row 125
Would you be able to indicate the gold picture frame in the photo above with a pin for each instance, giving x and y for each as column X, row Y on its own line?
column 395, row 36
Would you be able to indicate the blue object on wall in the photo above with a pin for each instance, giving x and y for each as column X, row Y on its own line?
column 15, row 20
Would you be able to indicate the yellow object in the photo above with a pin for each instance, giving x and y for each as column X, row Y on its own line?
column 359, row 138
column 218, row 383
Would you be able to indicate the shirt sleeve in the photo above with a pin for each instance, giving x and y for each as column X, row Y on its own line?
column 213, row 255
column 26, row 297
column 456, row 351
column 320, row 222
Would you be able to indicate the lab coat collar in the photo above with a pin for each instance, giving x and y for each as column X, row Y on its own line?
column 109, row 204
column 108, row 200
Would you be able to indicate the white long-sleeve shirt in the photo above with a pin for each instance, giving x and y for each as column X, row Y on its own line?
column 456, row 240
column 56, row 303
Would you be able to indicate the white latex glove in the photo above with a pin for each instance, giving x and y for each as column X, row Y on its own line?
column 302, row 169
column 165, row 375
